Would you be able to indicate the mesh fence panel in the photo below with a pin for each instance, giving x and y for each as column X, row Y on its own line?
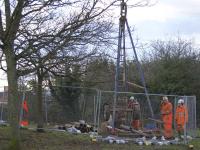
column 123, row 114
column 4, row 111
column 64, row 105
column 3, row 104
column 71, row 104
column 190, row 103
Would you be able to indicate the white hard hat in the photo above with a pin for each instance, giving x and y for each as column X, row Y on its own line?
column 180, row 101
column 82, row 121
column 165, row 98
column 132, row 98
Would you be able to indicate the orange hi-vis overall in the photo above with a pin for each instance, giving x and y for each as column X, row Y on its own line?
column 166, row 112
column 24, row 121
column 181, row 117
column 135, row 106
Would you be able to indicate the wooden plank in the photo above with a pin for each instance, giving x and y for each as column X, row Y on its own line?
column 140, row 132
column 156, row 120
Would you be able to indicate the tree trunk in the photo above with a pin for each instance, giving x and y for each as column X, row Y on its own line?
column 13, row 99
column 40, row 121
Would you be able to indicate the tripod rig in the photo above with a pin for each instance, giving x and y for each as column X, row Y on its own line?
column 121, row 59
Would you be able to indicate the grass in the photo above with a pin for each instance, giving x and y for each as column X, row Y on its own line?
column 54, row 140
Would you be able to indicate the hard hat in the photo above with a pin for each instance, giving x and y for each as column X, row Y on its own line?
column 82, row 121
column 132, row 98
column 180, row 101
column 191, row 146
column 165, row 98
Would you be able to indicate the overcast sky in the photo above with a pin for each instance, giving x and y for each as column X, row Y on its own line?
column 165, row 19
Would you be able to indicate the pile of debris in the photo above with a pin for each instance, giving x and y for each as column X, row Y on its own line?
column 155, row 141
column 140, row 141
column 77, row 127
column 142, row 137
column 3, row 123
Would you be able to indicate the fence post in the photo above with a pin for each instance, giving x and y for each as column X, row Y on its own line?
column 46, row 111
column 1, row 111
column 21, row 109
column 99, row 107
column 185, row 126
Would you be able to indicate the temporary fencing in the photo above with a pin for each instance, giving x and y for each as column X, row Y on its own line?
column 124, row 116
column 3, row 103
column 67, row 104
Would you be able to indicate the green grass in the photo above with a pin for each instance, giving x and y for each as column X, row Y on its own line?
column 53, row 140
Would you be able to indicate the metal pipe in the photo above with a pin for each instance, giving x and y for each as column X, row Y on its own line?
column 195, row 121
column 21, row 110
column 117, row 73
column 46, row 111
column 99, row 107
column 95, row 111
column 1, row 111
column 140, row 70
column 185, row 125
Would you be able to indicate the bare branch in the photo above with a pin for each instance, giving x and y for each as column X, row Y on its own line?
column 7, row 12
column 1, row 28
column 14, row 21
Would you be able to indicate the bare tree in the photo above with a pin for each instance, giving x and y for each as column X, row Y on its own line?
column 45, row 29
column 53, row 54
column 35, row 28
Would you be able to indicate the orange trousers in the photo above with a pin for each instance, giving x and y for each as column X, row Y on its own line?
column 168, row 132
column 136, row 124
column 180, row 127
column 24, row 123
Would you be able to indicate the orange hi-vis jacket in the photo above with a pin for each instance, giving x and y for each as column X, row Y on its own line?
column 25, row 106
column 166, row 111
column 24, row 121
column 181, row 115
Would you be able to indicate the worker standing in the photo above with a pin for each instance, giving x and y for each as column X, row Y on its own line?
column 181, row 117
column 135, row 106
column 24, row 116
column 166, row 115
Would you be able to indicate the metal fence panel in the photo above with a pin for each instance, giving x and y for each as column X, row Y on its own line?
column 107, row 99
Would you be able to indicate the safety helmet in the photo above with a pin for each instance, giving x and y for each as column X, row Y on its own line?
column 132, row 98
column 165, row 98
column 180, row 101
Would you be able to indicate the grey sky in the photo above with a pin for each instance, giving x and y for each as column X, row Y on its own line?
column 166, row 19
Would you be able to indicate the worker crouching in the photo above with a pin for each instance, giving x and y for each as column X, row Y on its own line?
column 135, row 106
column 166, row 115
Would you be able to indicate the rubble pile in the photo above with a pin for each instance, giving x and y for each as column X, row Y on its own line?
column 142, row 139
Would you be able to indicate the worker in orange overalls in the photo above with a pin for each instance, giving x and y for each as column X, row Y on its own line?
column 24, row 122
column 181, row 117
column 166, row 115
column 135, row 106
